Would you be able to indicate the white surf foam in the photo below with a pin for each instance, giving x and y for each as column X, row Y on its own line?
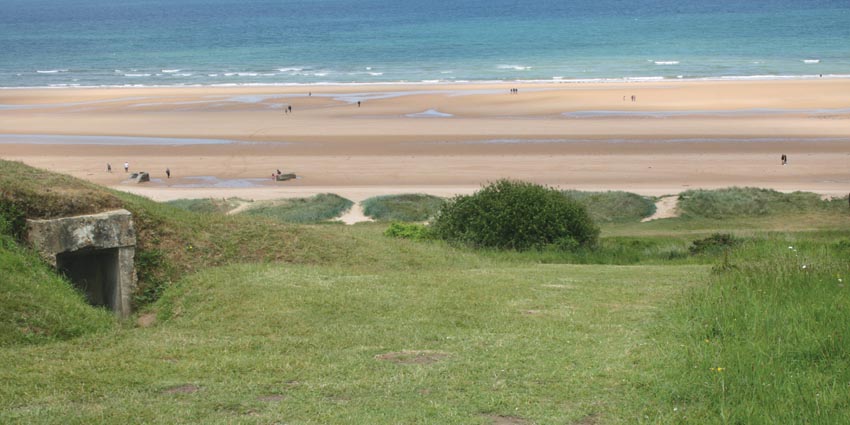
column 514, row 67
column 137, row 75
column 666, row 62
column 811, row 61
column 51, row 71
column 170, row 71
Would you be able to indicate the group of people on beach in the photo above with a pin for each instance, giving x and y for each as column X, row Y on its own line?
column 514, row 91
column 127, row 169
column 634, row 98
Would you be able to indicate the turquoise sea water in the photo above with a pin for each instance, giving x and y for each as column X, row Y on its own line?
column 205, row 42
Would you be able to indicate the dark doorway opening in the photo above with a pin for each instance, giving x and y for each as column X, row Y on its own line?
column 95, row 272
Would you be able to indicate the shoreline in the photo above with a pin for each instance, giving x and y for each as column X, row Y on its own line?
column 597, row 80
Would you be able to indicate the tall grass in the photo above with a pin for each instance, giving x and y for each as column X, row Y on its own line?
column 408, row 207
column 614, row 206
column 314, row 209
column 749, row 201
column 766, row 341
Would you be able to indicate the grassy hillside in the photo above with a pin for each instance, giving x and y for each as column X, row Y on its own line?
column 408, row 207
column 327, row 345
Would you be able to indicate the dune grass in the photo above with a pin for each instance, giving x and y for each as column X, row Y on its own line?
column 318, row 208
column 207, row 205
column 749, row 202
column 614, row 206
column 408, row 207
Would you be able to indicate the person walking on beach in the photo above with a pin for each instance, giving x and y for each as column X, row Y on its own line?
column 108, row 167
column 358, row 103
column 126, row 167
column 289, row 108
column 784, row 159
column 168, row 172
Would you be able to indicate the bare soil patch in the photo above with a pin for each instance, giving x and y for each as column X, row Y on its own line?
column 146, row 320
column 182, row 389
column 413, row 357
column 507, row 420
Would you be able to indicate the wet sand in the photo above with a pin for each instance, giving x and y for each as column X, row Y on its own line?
column 440, row 139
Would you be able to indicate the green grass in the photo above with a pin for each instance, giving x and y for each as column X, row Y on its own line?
column 614, row 206
column 303, row 344
column 748, row 201
column 207, row 205
column 314, row 209
column 409, row 207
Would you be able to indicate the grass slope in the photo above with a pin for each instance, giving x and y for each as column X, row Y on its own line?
column 36, row 305
column 318, row 208
column 408, row 207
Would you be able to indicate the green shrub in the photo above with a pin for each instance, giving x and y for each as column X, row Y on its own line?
column 409, row 207
column 12, row 220
column 713, row 243
column 407, row 231
column 515, row 215
column 613, row 206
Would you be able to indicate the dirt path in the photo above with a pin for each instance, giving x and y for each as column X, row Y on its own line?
column 666, row 207
column 354, row 215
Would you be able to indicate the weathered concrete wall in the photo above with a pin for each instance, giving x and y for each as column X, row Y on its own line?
column 91, row 233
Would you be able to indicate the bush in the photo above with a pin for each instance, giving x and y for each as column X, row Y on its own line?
column 409, row 207
column 516, row 215
column 713, row 243
column 407, row 231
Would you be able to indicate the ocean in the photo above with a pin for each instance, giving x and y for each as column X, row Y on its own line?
column 263, row 42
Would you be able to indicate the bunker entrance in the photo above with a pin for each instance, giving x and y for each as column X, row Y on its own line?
column 95, row 272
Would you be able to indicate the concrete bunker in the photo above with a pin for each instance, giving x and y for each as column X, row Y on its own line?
column 95, row 252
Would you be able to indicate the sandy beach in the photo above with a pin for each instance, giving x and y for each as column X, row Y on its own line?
column 439, row 139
